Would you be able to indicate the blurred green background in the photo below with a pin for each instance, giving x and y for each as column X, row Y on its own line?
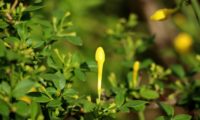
column 94, row 18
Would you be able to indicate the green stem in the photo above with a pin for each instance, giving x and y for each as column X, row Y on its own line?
column 196, row 8
column 180, row 4
column 100, row 71
column 62, row 21
column 141, row 115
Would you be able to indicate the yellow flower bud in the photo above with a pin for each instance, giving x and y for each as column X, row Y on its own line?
column 26, row 99
column 136, row 67
column 42, row 88
column 162, row 14
column 100, row 58
column 100, row 55
column 183, row 43
column 33, row 89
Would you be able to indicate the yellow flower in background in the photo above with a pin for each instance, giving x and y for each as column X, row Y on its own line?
column 26, row 99
column 136, row 67
column 162, row 14
column 183, row 43
column 100, row 58
column 33, row 89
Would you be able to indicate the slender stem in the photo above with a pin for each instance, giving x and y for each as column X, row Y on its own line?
column 8, row 14
column 14, row 5
column 54, row 20
column 62, row 21
column 134, row 79
column 141, row 115
column 100, row 70
column 196, row 8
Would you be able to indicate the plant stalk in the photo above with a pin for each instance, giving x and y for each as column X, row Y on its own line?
column 196, row 8
column 100, row 70
column 141, row 115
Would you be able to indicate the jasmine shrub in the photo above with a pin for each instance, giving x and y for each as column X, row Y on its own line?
column 45, row 67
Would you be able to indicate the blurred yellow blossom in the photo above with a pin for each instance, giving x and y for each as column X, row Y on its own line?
column 136, row 67
column 162, row 14
column 26, row 99
column 33, row 89
column 183, row 43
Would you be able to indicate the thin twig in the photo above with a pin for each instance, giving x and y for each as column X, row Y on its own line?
column 14, row 5
column 8, row 14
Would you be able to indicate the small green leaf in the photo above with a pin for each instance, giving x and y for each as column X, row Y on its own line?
column 88, row 106
column 56, row 58
column 22, row 30
column 137, row 105
column 60, row 82
column 4, row 109
column 50, row 76
column 58, row 79
column 33, row 8
column 54, row 103
column 89, row 65
column 178, row 70
column 3, row 24
column 51, row 90
column 79, row 74
column 22, row 108
column 36, row 41
column 12, row 55
column 119, row 99
column 74, row 40
column 182, row 117
column 2, row 48
column 124, row 109
column 69, row 93
column 148, row 93
column 146, row 63
column 34, row 107
column 51, row 63
column 169, row 110
column 5, row 87
column 39, row 97
column 22, row 88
